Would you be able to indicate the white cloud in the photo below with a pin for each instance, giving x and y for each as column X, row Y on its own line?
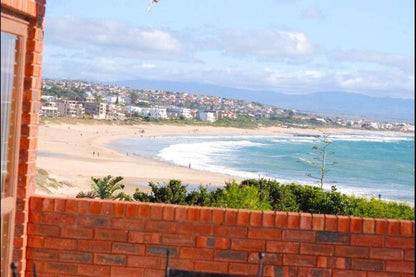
column 104, row 38
column 272, row 44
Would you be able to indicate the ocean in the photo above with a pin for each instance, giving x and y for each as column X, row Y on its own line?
column 360, row 165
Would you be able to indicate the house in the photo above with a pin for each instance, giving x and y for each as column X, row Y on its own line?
column 206, row 116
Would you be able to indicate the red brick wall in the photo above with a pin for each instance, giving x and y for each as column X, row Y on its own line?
column 34, row 12
column 79, row 237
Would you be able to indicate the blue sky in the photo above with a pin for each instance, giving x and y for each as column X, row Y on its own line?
column 288, row 46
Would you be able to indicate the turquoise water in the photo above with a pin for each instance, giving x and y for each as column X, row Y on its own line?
column 358, row 165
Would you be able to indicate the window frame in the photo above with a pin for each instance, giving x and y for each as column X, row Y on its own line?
column 14, row 24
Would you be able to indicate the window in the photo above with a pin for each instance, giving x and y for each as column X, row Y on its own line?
column 13, row 40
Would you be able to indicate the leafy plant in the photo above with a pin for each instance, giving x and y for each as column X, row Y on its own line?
column 106, row 188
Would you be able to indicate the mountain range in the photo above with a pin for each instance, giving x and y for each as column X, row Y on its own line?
column 334, row 103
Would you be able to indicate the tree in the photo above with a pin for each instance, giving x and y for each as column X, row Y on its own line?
column 106, row 188
column 320, row 159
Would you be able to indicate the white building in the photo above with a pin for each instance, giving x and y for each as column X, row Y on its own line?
column 154, row 112
column 207, row 116
column 70, row 108
column 49, row 109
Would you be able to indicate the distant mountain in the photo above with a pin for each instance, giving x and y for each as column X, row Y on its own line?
column 329, row 102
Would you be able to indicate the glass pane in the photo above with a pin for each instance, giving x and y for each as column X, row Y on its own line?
column 8, row 53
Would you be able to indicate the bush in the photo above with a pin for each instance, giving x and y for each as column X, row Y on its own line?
column 262, row 194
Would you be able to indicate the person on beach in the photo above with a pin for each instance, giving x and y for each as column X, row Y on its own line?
column 93, row 153
column 189, row 165
column 98, row 154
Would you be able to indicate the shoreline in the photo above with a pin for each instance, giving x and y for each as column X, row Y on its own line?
column 66, row 152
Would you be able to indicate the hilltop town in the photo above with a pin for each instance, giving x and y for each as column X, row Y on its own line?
column 81, row 99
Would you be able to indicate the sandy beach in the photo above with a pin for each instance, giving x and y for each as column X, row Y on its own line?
column 66, row 152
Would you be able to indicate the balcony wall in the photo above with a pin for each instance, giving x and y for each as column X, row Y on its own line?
column 79, row 237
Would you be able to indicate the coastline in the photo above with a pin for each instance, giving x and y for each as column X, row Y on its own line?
column 66, row 152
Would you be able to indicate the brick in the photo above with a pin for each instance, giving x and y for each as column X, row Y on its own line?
column 386, row 253
column 230, row 231
column 399, row 266
column 256, row 218
column 127, row 248
column 95, row 207
column 367, row 240
column 196, row 228
column 318, row 222
column 71, row 206
column 168, row 212
column 368, row 265
column 393, row 227
column 59, row 219
column 299, row 260
column 409, row 255
column 269, row 258
column 264, row 233
column 149, row 272
column 48, row 205
column 331, row 223
column 161, row 250
column 214, row 267
column 193, row 213
column 79, row 233
column 356, row 224
column 382, row 274
column 127, row 272
column 42, row 254
column 94, row 221
column 110, row 234
column 143, row 237
column 156, row 212
column 196, row 253
column 94, row 246
column 351, row 251
column 141, row 261
column 181, row 213
column 161, row 226
column 402, row 242
column 333, row 262
column 179, row 240
column 34, row 241
column 305, row 221
column 247, row 244
column 59, row 205
column 230, row 255
column 243, row 268
column 78, row 257
column 294, row 235
column 343, row 223
column 132, row 210
column 368, row 225
column 381, row 226
column 93, row 270
column 406, row 227
column 348, row 273
column 44, row 230
column 316, row 249
column 205, row 215
column 243, row 217
column 205, row 242
column 83, row 206
column 35, row 204
column 230, row 216
column 109, row 259
column 181, row 264
column 285, row 271
column 35, row 217
column 58, row 243
column 268, row 219
column 332, row 237
column 222, row 243
column 119, row 209
column 313, row 272
column 65, row 268
column 281, row 219
column 282, row 247
column 144, row 210
column 293, row 220
column 128, row 224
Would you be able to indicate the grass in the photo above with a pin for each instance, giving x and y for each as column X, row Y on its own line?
column 46, row 183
